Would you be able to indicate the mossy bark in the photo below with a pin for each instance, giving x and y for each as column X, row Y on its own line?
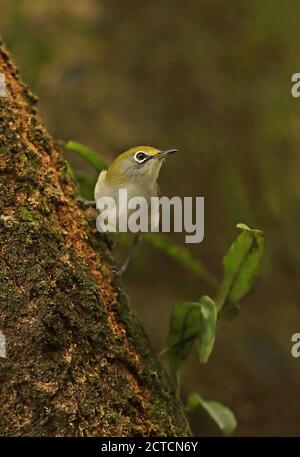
column 78, row 361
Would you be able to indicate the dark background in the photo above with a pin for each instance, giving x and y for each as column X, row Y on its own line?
column 213, row 79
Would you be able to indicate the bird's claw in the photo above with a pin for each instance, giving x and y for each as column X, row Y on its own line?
column 118, row 271
column 85, row 203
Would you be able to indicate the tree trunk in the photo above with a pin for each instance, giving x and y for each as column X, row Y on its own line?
column 77, row 361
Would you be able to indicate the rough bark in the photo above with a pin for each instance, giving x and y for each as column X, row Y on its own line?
column 78, row 361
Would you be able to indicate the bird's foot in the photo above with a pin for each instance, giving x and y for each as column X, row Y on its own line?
column 83, row 203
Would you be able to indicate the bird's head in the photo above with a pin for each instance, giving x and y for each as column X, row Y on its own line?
column 140, row 163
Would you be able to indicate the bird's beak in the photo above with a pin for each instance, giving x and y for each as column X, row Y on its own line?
column 163, row 154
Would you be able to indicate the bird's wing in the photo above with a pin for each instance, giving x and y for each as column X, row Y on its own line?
column 100, row 186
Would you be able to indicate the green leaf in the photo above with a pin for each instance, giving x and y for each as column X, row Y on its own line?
column 207, row 332
column 241, row 265
column 88, row 154
column 184, row 328
column 190, row 322
column 223, row 416
column 181, row 255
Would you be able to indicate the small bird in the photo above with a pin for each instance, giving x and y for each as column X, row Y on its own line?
column 135, row 170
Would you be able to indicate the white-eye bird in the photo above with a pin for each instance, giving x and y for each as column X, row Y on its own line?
column 135, row 170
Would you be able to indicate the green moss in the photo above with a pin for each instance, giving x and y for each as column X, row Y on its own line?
column 29, row 95
column 31, row 217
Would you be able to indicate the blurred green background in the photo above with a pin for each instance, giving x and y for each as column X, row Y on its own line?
column 211, row 78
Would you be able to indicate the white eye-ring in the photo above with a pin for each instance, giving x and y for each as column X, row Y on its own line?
column 140, row 156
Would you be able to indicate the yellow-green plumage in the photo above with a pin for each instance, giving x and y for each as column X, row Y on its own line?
column 115, row 174
column 139, row 178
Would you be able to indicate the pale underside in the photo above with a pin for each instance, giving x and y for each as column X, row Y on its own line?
column 134, row 188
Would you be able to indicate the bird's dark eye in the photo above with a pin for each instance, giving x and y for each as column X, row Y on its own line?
column 140, row 156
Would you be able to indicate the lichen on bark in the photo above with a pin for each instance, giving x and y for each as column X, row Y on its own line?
column 78, row 361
